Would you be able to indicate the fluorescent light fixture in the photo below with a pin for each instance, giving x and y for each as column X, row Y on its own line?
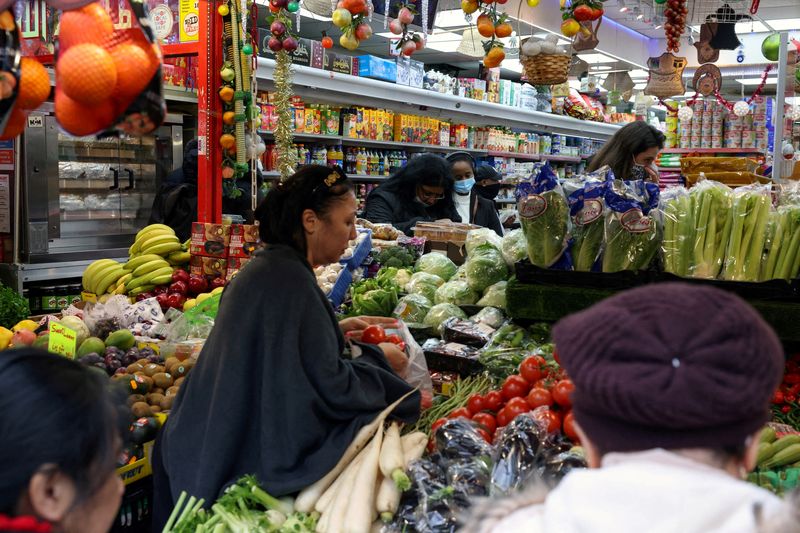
column 638, row 73
column 758, row 27
column 596, row 58
column 756, row 81
column 450, row 18
column 601, row 67
column 639, row 86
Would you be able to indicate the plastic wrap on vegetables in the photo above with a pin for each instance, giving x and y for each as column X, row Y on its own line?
column 514, row 246
column 435, row 512
column 441, row 312
column 481, row 236
column 436, row 263
column 586, row 198
column 466, row 332
column 425, row 284
column 485, row 267
column 558, row 465
column 516, row 454
column 494, row 295
column 544, row 216
column 678, row 238
column 632, row 238
column 470, row 479
column 491, row 316
column 455, row 292
column 412, row 308
column 749, row 217
column 459, row 440
column 782, row 257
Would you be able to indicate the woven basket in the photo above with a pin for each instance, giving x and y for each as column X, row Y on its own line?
column 546, row 69
column 322, row 8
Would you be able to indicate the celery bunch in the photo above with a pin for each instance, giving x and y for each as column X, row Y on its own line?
column 749, row 216
column 711, row 204
column 679, row 235
column 783, row 247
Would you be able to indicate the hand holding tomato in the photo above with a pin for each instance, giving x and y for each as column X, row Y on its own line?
column 355, row 326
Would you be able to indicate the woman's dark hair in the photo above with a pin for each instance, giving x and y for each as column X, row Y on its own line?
column 58, row 412
column 627, row 143
column 314, row 187
column 455, row 157
column 427, row 169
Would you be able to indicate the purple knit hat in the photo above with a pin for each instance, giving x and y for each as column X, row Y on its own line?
column 670, row 366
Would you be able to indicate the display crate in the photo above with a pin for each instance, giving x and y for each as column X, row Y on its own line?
column 361, row 252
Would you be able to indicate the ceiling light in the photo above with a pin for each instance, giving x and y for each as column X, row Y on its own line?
column 596, row 58
column 638, row 73
column 602, row 67
column 757, row 81
column 658, row 27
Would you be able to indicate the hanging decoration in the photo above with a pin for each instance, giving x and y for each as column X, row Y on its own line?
column 675, row 14
column 352, row 17
column 685, row 113
column 410, row 41
column 492, row 24
column 724, row 35
column 577, row 17
column 741, row 108
column 666, row 76
column 705, row 52
column 707, row 79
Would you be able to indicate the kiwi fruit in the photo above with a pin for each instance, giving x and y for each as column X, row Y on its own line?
column 135, row 398
column 169, row 362
column 154, row 398
column 134, row 368
column 143, row 362
column 179, row 381
column 181, row 369
column 157, row 390
column 140, row 409
column 153, row 369
column 155, row 408
column 148, row 381
column 172, row 391
column 166, row 403
column 162, row 380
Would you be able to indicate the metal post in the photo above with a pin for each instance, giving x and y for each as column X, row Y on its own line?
column 780, row 98
column 209, row 109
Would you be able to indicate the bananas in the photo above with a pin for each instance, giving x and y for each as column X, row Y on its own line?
column 149, row 267
column 164, row 248
column 149, row 278
column 105, row 277
column 136, row 262
column 179, row 258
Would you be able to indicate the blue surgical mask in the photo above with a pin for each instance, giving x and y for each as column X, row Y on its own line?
column 465, row 186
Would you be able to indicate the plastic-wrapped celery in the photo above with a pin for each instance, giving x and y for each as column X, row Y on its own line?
column 749, row 215
column 585, row 195
column 544, row 216
column 711, row 203
column 676, row 205
column 632, row 238
column 783, row 255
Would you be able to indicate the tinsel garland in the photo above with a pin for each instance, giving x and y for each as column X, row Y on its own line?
column 721, row 99
column 282, row 76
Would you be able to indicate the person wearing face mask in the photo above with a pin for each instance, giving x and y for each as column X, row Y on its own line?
column 631, row 152
column 488, row 186
column 472, row 206
column 421, row 191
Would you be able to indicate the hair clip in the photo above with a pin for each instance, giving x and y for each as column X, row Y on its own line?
column 332, row 178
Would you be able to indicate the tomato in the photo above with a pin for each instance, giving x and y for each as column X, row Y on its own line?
column 569, row 427
column 514, row 386
column 518, row 404
column 549, row 419
column 494, row 400
column 476, row 403
column 436, row 425
column 539, row 397
column 461, row 412
column 555, row 356
column 373, row 335
column 504, row 417
column 544, row 383
column 531, row 368
column 485, row 434
column 582, row 13
column 486, row 420
column 562, row 393
column 394, row 338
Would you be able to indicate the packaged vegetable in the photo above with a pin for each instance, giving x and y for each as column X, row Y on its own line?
column 711, row 204
column 441, row 312
column 749, row 216
column 494, row 296
column 678, row 231
column 466, row 332
column 515, row 454
column 514, row 247
column 461, row 273
column 376, row 302
column 783, row 244
column 478, row 237
column 412, row 308
column 491, row 316
column 402, row 277
column 456, row 292
column 544, row 216
column 438, row 264
column 586, row 198
column 485, row 267
column 632, row 238
column 450, row 349
column 425, row 284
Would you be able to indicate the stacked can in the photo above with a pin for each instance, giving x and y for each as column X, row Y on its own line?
column 754, row 133
column 686, row 134
column 717, row 121
column 708, row 124
column 733, row 131
column 697, row 124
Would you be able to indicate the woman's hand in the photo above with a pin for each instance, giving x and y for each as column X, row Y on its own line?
column 396, row 357
column 352, row 327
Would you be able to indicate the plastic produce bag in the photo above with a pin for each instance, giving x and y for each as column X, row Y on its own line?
column 516, row 454
column 456, row 292
column 436, row 263
column 416, row 373
column 424, row 284
column 586, row 198
column 441, row 312
column 461, row 273
column 782, row 257
column 495, row 295
column 412, row 308
column 632, row 238
column 749, row 217
column 478, row 237
column 514, row 247
column 491, row 316
column 466, row 332
column 485, row 267
column 711, row 204
column 544, row 215
column 678, row 231
column 458, row 440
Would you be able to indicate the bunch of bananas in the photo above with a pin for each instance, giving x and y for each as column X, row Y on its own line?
column 105, row 276
column 158, row 239
column 146, row 272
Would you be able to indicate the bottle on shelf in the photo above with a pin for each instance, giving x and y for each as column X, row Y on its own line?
column 361, row 162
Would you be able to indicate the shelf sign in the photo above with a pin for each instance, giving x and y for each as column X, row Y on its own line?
column 189, row 16
column 63, row 340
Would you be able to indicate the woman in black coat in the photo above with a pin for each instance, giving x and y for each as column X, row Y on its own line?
column 471, row 206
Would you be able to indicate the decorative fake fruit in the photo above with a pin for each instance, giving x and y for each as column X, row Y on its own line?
column 81, row 119
column 290, row 44
column 227, row 141
column 227, row 74
column 405, row 16
column 274, row 44
column 34, row 84
column 503, row 30
column 494, row 57
column 355, row 7
column 409, row 47
column 229, row 118
column 533, row 3
column 348, row 41
column 395, row 27
column 226, row 93
column 224, row 10
column 87, row 73
column 469, row 6
column 89, row 24
column 341, row 19
column 363, row 31
column 485, row 26
column 570, row 27
column 277, row 28
column 327, row 42
column 419, row 42
column 293, row 7
column 582, row 13
column 135, row 66
column 771, row 47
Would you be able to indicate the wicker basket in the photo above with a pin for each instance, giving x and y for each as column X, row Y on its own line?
column 546, row 69
column 323, row 8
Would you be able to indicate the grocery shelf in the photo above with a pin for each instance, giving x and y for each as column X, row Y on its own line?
column 712, row 151
column 561, row 158
column 180, row 94
column 307, row 136
column 389, row 145
column 515, row 155
column 272, row 174
column 325, row 85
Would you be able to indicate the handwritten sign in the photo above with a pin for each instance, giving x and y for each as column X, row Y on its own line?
column 63, row 340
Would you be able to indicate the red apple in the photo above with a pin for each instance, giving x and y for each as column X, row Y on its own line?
column 290, row 44
column 277, row 28
column 176, row 300
column 163, row 301
column 197, row 285
column 275, row 44
column 363, row 32
column 158, row 291
column 144, row 296
column 217, row 282
column 180, row 287
column 180, row 275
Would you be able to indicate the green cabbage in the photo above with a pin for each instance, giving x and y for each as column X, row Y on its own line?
column 461, row 273
column 491, row 316
column 424, row 284
column 436, row 263
column 412, row 308
column 485, row 266
column 478, row 237
column 495, row 296
column 514, row 247
column 439, row 313
column 456, row 292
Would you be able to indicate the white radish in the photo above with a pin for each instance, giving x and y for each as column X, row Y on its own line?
column 362, row 500
column 391, row 460
column 330, row 494
column 325, row 514
column 414, row 445
column 308, row 496
column 388, row 499
column 339, row 506
column 377, row 527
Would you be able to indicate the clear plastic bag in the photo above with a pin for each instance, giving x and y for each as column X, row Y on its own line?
column 676, row 209
column 514, row 247
column 456, row 292
column 425, row 284
column 416, row 373
column 494, row 296
column 491, row 316
column 485, row 267
column 544, row 216
column 632, row 237
column 782, row 244
column 516, row 454
column 481, row 236
column 585, row 195
column 711, row 228
column 749, row 215
column 412, row 308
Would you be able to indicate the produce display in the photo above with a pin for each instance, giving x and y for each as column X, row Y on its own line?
column 778, row 459
column 786, row 401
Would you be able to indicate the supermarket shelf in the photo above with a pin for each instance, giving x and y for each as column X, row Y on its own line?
column 353, row 90
column 712, row 151
column 180, row 94
column 307, row 136
column 668, row 169
column 180, row 49
column 271, row 175
column 561, row 158
column 408, row 146
column 523, row 157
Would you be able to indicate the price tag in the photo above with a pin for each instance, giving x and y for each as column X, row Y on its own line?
column 62, row 340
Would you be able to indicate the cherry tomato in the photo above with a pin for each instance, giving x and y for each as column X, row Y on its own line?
column 494, row 400
column 436, row 425
column 476, row 403
column 550, row 419
column 504, row 417
column 562, row 393
column 538, row 397
column 373, row 335
column 514, row 387
column 531, row 368
column 569, row 427
column 518, row 404
column 485, row 434
column 778, row 398
column 394, row 338
column 487, row 421
column 461, row 412
column 517, row 409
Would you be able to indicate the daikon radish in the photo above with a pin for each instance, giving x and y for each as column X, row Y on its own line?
column 308, row 497
column 362, row 500
column 388, row 499
column 325, row 514
column 330, row 494
column 391, row 461
column 339, row 505
column 413, row 446
column 377, row 527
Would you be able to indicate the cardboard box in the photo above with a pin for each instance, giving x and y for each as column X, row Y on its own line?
column 417, row 74
column 208, row 266
column 244, row 240
column 377, row 68
column 309, row 53
column 235, row 264
column 210, row 240
column 403, row 71
column 341, row 63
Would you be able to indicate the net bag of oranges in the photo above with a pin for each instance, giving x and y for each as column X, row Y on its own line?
column 107, row 78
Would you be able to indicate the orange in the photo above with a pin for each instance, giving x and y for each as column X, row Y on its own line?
column 86, row 73
column 34, row 84
column 494, row 57
column 89, row 24
column 503, row 29
column 15, row 125
column 80, row 119
column 135, row 68
column 485, row 26
column 229, row 118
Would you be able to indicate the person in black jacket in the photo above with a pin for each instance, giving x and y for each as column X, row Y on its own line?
column 422, row 191
column 471, row 206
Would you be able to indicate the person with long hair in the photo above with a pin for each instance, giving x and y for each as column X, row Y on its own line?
column 276, row 391
column 60, row 437
column 472, row 207
column 421, row 191
column 631, row 152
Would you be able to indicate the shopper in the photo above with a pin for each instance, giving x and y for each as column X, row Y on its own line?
column 669, row 409
column 273, row 393
column 472, row 207
column 488, row 185
column 421, row 191
column 59, row 443
column 631, row 152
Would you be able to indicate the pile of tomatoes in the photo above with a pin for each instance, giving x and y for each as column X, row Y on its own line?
column 675, row 14
column 540, row 388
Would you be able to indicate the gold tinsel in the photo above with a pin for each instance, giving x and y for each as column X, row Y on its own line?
column 286, row 158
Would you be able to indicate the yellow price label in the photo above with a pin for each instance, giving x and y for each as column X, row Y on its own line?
column 62, row 340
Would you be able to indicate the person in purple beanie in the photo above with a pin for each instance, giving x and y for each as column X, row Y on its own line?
column 672, row 387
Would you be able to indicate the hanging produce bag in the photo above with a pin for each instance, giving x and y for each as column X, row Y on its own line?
column 106, row 78
column 632, row 237
column 585, row 195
